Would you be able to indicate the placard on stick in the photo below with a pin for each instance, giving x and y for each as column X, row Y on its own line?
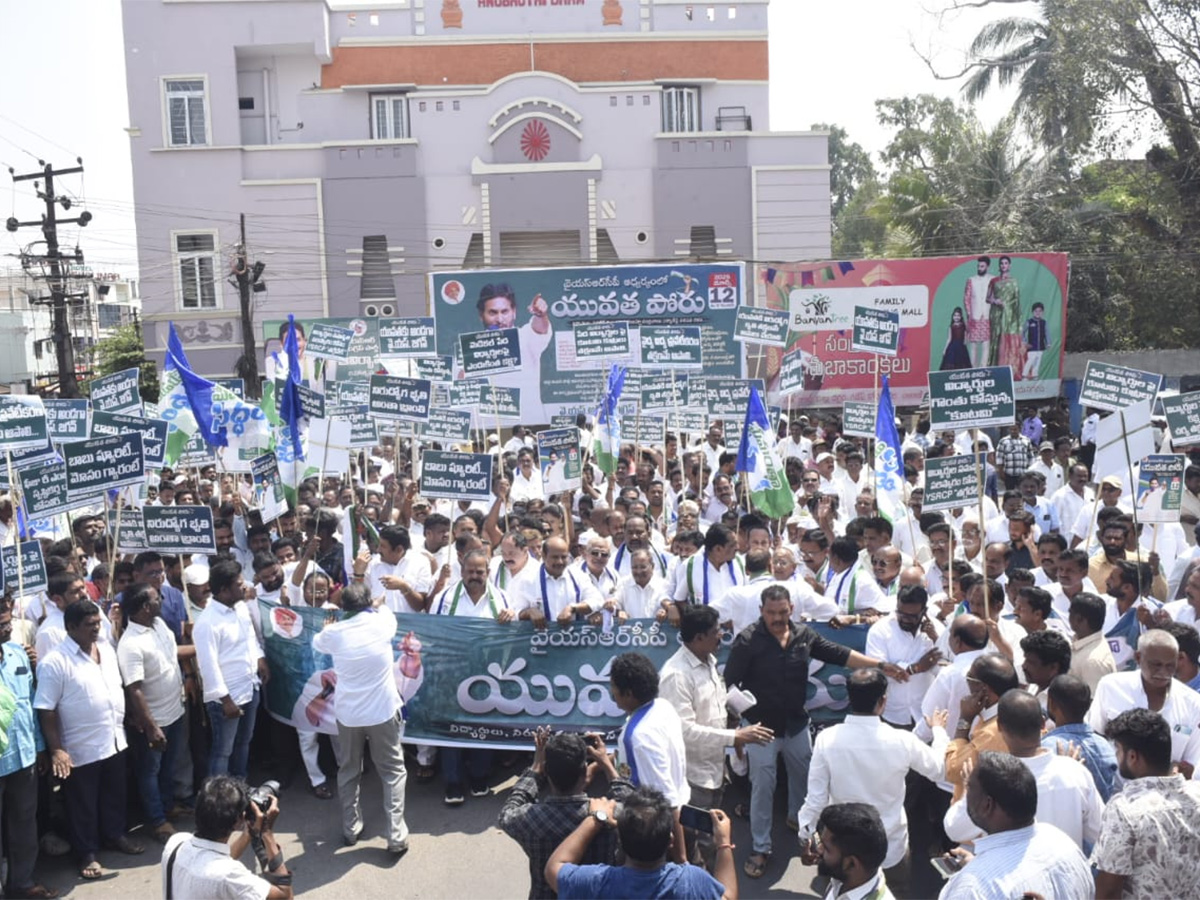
column 22, row 421
column 672, row 346
column 490, row 352
column 858, row 419
column 1160, row 487
column 179, row 529
column 33, row 567
column 456, row 476
column 1183, row 417
column 67, row 420
column 875, row 331
column 119, row 392
column 403, row 399
column 559, row 459
column 408, row 338
column 446, row 426
column 761, row 325
column 327, row 341
column 600, row 343
column 971, row 398
column 950, row 483
column 1110, row 387
column 153, row 432
column 97, row 464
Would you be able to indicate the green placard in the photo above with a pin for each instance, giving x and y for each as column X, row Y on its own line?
column 22, row 421
column 875, row 331
column 438, row 369
column 312, row 403
column 351, row 393
column 504, row 402
column 1113, row 388
column 672, row 347
column 726, row 398
column 603, row 341
column 407, row 338
column 689, row 421
column 466, row 393
column 950, row 483
column 760, row 325
column 490, row 352
column 131, row 537
column 118, row 392
column 95, row 465
column 456, row 476
column 67, row 420
column 446, row 426
column 858, row 419
column 560, row 460
column 971, row 398
column 179, row 529
column 1160, row 487
column 33, row 568
column 153, row 432
column 1183, row 417
column 664, row 393
column 405, row 399
column 44, row 490
column 327, row 341
column 644, row 431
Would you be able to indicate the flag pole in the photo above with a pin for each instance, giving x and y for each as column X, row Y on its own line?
column 12, row 486
column 982, row 526
column 1132, row 491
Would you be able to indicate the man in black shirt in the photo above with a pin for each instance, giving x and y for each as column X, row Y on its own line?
column 770, row 660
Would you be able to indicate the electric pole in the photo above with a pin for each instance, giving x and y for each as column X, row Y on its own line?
column 52, row 268
column 247, row 279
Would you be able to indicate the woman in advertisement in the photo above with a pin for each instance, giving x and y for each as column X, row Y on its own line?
column 1007, row 344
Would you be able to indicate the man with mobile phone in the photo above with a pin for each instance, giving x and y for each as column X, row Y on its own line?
column 849, row 846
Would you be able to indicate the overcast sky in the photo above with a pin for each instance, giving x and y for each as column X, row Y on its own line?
column 830, row 61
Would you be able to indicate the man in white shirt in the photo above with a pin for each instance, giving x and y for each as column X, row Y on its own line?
column 558, row 592
column 907, row 638
column 595, row 566
column 741, row 605
column 795, row 444
column 149, row 661
column 397, row 577
column 232, row 668
column 81, row 708
column 1153, row 686
column 642, row 593
column 1047, row 466
column 62, row 590
column 851, row 587
column 1072, row 497
column 367, row 705
column 527, row 480
column 712, row 448
column 968, row 639
column 866, row 760
column 514, row 572
column 651, row 742
column 705, row 577
column 689, row 681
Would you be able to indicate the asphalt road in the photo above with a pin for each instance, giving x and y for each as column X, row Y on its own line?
column 455, row 852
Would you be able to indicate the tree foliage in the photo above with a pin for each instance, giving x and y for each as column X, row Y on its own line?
column 126, row 349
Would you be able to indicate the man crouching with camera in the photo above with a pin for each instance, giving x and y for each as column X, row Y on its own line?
column 205, row 864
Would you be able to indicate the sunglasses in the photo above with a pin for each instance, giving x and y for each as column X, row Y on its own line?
column 599, row 554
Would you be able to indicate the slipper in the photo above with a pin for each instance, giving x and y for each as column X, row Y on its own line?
column 322, row 791
column 124, row 845
column 424, row 773
column 742, row 810
column 91, row 871
column 34, row 892
column 756, row 865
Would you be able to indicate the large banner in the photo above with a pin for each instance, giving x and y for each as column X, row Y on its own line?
column 547, row 306
column 466, row 680
column 956, row 312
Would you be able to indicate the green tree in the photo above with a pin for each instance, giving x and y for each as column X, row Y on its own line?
column 125, row 349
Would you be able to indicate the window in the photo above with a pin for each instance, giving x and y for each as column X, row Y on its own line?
column 681, row 109
column 389, row 117
column 186, row 123
column 197, row 260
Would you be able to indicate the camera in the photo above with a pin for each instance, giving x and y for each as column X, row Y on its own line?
column 260, row 798
column 593, row 740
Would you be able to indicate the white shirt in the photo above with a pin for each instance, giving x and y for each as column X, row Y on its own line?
column 1038, row 858
column 205, row 869
column 361, row 647
column 149, row 655
column 525, row 489
column 519, row 588
column 865, row 760
column 946, row 692
column 455, row 601
column 1120, row 691
column 858, row 584
column 228, row 652
column 553, row 595
column 742, row 605
column 413, row 568
column 641, row 602
column 801, row 450
column 1053, row 474
column 651, row 744
column 1067, row 504
column 887, row 640
column 691, row 574
column 88, row 697
column 1181, row 611
column 605, row 582
column 697, row 692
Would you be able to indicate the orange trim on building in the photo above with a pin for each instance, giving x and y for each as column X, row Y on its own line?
column 581, row 62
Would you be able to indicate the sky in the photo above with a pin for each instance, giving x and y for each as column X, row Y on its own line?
column 829, row 62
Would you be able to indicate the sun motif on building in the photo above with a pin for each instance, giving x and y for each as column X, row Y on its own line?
column 535, row 140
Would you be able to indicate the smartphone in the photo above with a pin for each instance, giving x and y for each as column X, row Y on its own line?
column 696, row 818
column 945, row 865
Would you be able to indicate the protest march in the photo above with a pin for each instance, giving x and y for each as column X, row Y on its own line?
column 655, row 543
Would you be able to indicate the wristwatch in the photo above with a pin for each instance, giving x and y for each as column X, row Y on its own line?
column 601, row 816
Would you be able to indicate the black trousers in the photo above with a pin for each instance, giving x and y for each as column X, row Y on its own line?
column 95, row 798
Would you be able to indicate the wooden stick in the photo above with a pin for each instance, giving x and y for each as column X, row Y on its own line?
column 987, row 610
column 19, row 499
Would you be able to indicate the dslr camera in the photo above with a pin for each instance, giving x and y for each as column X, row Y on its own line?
column 260, row 798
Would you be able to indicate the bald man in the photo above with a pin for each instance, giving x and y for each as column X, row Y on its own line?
column 559, row 591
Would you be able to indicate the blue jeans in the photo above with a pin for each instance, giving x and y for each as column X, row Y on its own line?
column 230, row 753
column 479, row 763
column 155, row 770
column 763, row 760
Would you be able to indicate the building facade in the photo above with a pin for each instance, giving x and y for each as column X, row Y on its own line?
column 369, row 146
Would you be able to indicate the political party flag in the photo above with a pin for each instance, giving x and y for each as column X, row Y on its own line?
column 290, row 411
column 362, row 531
column 606, row 446
column 889, row 470
column 756, row 458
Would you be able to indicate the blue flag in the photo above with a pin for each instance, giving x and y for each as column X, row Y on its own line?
column 290, row 411
column 756, row 458
column 889, row 468
column 606, row 446
column 197, row 390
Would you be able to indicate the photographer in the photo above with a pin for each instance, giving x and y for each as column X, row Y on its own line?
column 206, row 864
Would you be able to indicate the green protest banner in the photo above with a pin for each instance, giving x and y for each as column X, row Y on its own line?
column 467, row 681
column 950, row 483
column 643, row 431
column 364, row 431
column 34, row 456
column 446, row 426
column 971, row 398
column 1113, row 388
column 438, row 369
column 664, row 393
column 44, row 491
column 490, row 352
column 858, row 419
column 726, row 398
column 131, row 538
column 67, row 420
column 312, row 403
column 351, row 393
column 1160, row 487
column 404, row 399
column 22, row 421
column 559, row 459
column 456, row 476
column 467, row 393
column 408, row 338
column 672, row 347
column 327, row 341
column 602, row 342
column 562, row 421
column 179, row 529
column 501, row 402
column 118, row 392
column 33, row 567
column 95, row 465
column 761, row 325
column 153, row 432
column 689, row 420
column 875, row 331
column 1183, row 417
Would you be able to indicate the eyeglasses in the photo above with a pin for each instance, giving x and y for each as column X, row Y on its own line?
column 599, row 554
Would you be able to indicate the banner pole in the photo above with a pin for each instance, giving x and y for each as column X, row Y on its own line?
column 987, row 610
column 1133, row 495
column 116, row 544
column 680, row 444
column 20, row 496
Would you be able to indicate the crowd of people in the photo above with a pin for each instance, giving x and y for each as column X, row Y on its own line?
column 1023, row 710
